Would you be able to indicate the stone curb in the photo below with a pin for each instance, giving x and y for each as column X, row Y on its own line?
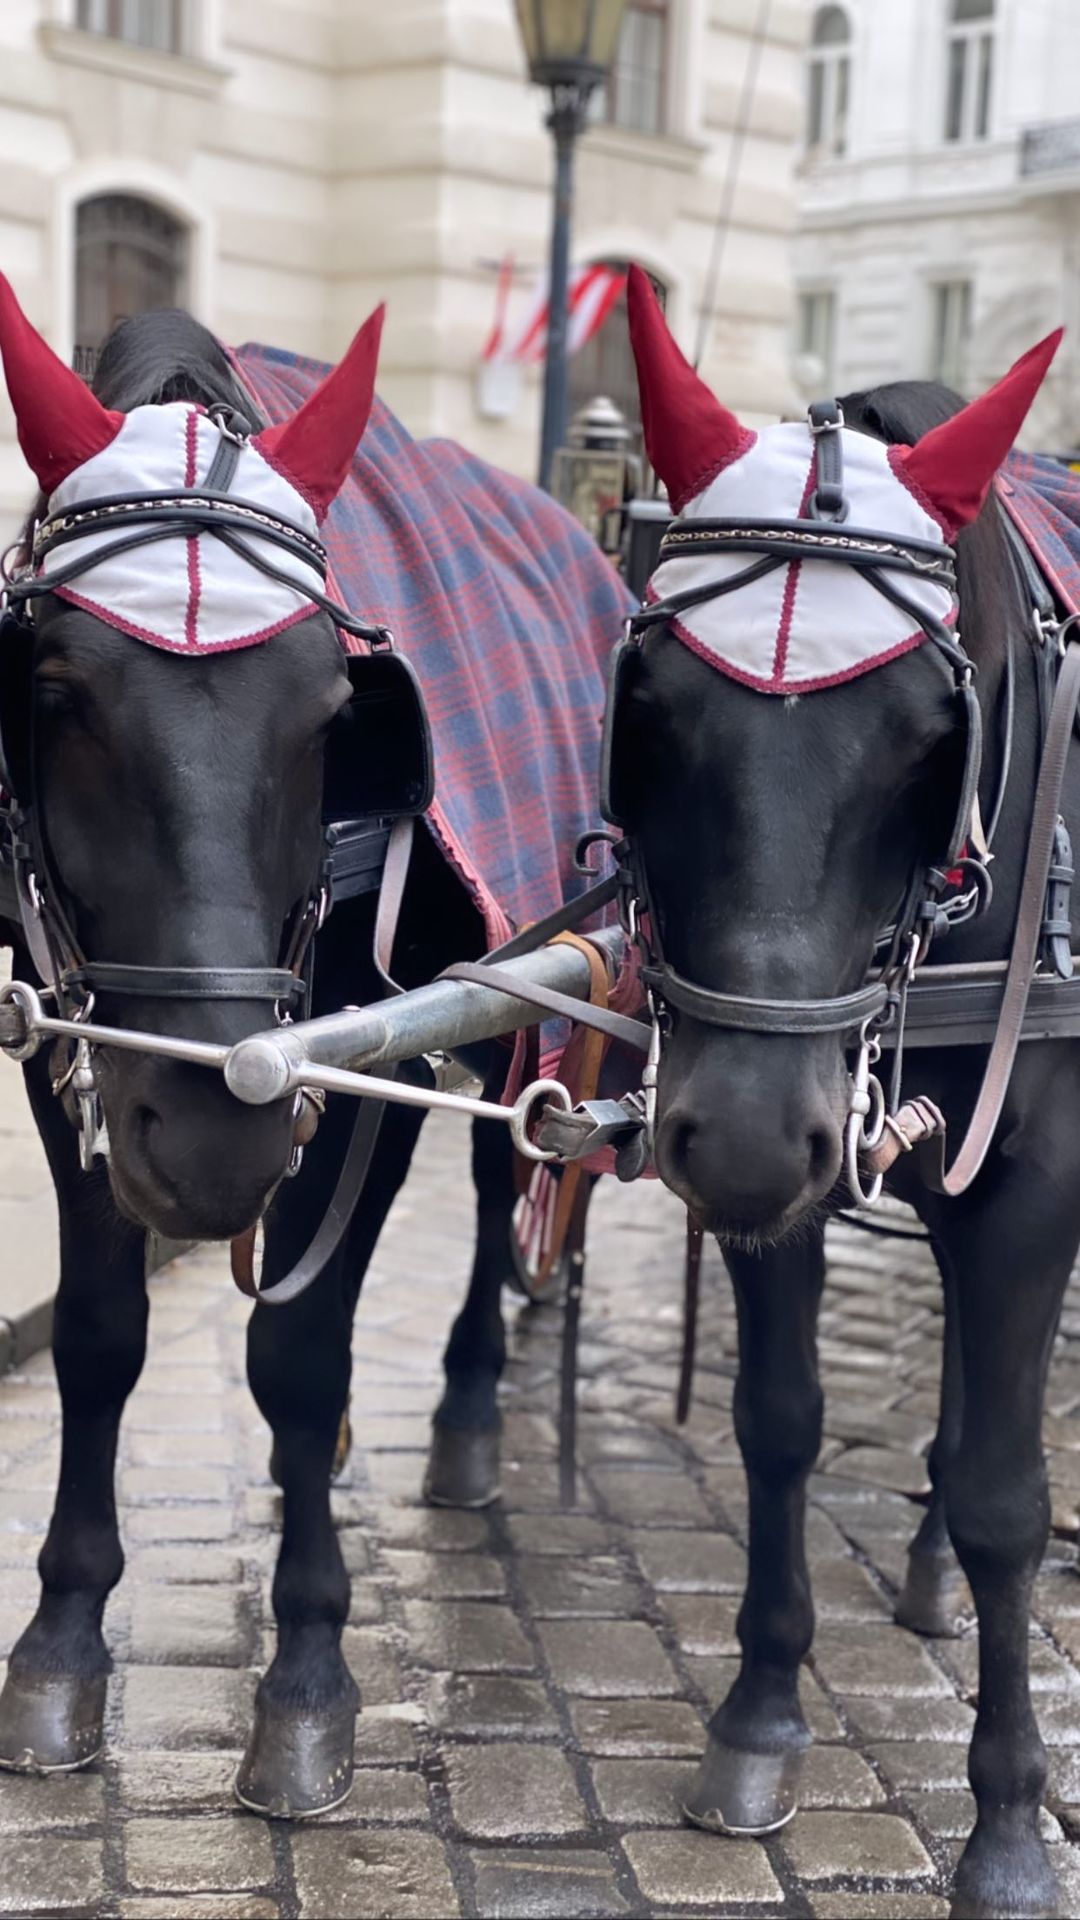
column 29, row 1332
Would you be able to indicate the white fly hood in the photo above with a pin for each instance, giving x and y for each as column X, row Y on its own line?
column 814, row 622
column 811, row 622
column 187, row 593
column 190, row 590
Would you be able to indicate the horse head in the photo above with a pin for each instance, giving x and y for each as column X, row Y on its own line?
column 790, row 735
column 168, row 720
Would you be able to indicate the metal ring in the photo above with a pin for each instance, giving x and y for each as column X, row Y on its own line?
column 522, row 1108
column 862, row 1196
column 16, row 993
column 872, row 1122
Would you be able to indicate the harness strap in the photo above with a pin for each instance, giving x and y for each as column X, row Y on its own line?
column 395, row 873
column 560, row 920
column 568, row 1358
column 751, row 1015
column 585, row 1085
column 1029, row 916
column 695, row 1236
column 333, row 1225
column 633, row 1033
column 186, row 983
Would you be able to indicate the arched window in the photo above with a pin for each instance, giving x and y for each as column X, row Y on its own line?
column 146, row 23
column 969, row 69
column 130, row 256
column 605, row 364
column 828, row 81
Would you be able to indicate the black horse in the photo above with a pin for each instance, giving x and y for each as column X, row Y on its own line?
column 181, row 801
column 776, row 837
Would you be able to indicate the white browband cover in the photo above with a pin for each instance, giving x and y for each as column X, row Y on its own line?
column 809, row 623
column 186, row 593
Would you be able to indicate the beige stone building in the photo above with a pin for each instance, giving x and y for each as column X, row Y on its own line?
column 282, row 165
column 940, row 197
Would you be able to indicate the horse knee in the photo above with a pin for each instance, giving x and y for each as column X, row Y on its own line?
column 998, row 1514
column 99, row 1346
column 299, row 1374
column 778, row 1427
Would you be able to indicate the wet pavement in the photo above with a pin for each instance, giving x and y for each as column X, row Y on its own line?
column 534, row 1681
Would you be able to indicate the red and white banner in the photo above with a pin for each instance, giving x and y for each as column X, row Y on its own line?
column 591, row 294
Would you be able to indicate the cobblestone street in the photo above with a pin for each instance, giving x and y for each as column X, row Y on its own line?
column 534, row 1682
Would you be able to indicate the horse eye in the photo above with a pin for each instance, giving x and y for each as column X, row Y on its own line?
column 56, row 698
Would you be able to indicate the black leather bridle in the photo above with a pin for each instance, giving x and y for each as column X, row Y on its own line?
column 141, row 521
column 823, row 535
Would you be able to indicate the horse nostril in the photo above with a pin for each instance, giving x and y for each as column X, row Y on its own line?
column 145, row 1123
column 822, row 1153
column 681, row 1140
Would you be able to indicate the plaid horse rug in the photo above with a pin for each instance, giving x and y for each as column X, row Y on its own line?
column 1042, row 498
column 508, row 612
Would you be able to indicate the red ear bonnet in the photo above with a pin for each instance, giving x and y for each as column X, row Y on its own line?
column 953, row 465
column 689, row 436
column 60, row 422
column 314, row 449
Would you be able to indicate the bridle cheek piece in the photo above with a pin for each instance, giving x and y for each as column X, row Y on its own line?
column 394, row 779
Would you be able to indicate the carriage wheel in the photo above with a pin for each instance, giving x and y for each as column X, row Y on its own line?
column 537, row 1266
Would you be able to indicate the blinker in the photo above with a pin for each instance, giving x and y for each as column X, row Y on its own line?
column 16, row 694
column 379, row 755
column 622, row 671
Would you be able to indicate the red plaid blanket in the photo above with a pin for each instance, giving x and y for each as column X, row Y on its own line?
column 508, row 612
column 1043, row 498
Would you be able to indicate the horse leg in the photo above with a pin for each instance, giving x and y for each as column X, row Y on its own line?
column 299, row 1759
column 933, row 1596
column 748, row 1780
column 53, row 1702
column 998, row 1510
column 463, row 1465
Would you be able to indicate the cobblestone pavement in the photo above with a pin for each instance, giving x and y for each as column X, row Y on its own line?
column 534, row 1682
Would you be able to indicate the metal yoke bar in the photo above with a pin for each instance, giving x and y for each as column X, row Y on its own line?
column 439, row 1017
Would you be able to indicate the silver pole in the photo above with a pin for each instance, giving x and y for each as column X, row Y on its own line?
column 439, row 1017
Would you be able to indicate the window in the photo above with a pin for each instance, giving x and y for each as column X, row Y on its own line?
column 130, row 256
column 828, row 80
column 605, row 364
column 815, row 342
column 951, row 333
column 634, row 96
column 969, row 58
column 146, row 23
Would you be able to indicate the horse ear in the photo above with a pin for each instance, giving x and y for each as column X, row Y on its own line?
column 689, row 436
column 314, row 448
column 60, row 422
column 954, row 464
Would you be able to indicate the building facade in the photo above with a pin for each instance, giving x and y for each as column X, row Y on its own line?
column 940, row 197
column 280, row 166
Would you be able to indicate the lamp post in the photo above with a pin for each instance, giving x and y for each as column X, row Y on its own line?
column 569, row 45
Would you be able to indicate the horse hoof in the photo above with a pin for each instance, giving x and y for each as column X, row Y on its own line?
column 51, row 1722
column 297, row 1763
column 342, row 1450
column 1009, row 1881
column 742, row 1793
column 463, row 1467
column 935, row 1598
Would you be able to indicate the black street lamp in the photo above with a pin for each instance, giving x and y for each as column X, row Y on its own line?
column 570, row 45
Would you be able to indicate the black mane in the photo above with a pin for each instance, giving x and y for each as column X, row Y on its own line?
column 154, row 358
column 900, row 413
